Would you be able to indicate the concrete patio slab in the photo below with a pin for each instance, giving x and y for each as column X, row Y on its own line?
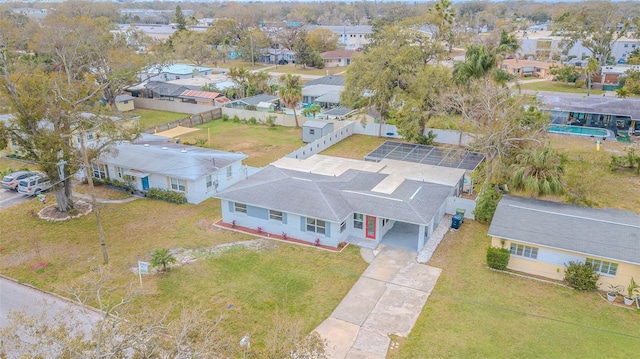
column 360, row 301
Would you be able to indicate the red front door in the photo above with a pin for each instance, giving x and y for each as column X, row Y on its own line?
column 371, row 227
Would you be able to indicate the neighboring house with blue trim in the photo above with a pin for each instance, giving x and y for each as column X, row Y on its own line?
column 156, row 162
column 543, row 236
column 174, row 72
column 342, row 200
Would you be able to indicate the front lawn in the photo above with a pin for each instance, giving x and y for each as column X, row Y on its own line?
column 248, row 284
column 263, row 144
column 474, row 312
column 554, row 86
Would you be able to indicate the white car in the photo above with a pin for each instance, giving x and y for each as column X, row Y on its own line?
column 34, row 185
column 12, row 180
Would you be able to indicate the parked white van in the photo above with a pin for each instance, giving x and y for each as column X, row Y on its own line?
column 34, row 185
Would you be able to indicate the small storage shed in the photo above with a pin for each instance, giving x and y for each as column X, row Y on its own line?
column 313, row 130
column 124, row 103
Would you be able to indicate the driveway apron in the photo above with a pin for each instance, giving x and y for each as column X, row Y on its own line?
column 387, row 299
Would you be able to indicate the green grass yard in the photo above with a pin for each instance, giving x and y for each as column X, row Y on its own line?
column 263, row 144
column 555, row 86
column 474, row 312
column 303, row 282
column 151, row 118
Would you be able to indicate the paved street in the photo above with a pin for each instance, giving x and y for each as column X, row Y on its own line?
column 9, row 198
column 18, row 297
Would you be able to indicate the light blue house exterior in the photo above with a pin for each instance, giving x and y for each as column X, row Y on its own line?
column 366, row 205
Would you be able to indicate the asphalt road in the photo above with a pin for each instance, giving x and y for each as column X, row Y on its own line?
column 18, row 297
column 9, row 198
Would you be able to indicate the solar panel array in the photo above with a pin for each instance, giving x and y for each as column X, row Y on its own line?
column 430, row 155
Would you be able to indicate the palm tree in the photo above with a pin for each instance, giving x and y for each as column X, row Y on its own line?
column 162, row 258
column 291, row 93
column 592, row 68
column 240, row 77
column 507, row 45
column 538, row 171
column 479, row 61
column 312, row 110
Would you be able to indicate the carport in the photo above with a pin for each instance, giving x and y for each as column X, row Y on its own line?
column 404, row 235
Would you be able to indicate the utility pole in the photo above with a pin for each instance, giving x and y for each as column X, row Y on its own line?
column 94, row 202
column 253, row 61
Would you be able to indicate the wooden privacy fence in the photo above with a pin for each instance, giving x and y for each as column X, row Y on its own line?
column 189, row 121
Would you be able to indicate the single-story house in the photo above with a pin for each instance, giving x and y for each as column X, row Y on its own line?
column 174, row 72
column 261, row 102
column 204, row 98
column 543, row 236
column 158, row 89
column 332, row 80
column 326, row 96
column 523, row 68
column 314, row 130
column 124, row 103
column 337, row 58
column 158, row 162
column 332, row 200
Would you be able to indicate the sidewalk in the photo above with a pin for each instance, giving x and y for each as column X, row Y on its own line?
column 387, row 299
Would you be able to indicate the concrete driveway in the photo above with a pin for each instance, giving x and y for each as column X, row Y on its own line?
column 10, row 198
column 387, row 299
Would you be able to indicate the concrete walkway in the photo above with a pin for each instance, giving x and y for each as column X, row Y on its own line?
column 387, row 299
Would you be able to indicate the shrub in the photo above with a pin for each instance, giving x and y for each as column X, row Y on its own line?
column 252, row 120
column 581, row 276
column 167, row 195
column 251, row 108
column 270, row 121
column 225, row 117
column 579, row 84
column 498, row 258
column 235, row 119
column 486, row 205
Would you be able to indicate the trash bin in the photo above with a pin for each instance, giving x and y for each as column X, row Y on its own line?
column 456, row 221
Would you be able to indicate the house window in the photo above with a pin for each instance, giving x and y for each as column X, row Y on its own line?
column 179, row 185
column 315, row 225
column 89, row 135
column 520, row 250
column 343, row 226
column 209, row 180
column 229, row 172
column 120, row 172
column 312, row 131
column 603, row 267
column 626, row 45
column 99, row 171
column 385, row 221
column 358, row 220
column 275, row 215
column 240, row 207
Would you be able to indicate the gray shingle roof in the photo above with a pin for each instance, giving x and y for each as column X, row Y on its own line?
column 255, row 100
column 592, row 104
column 333, row 80
column 165, row 88
column 316, row 124
column 606, row 233
column 334, row 198
column 168, row 158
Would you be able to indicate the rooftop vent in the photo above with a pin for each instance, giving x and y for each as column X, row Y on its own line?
column 184, row 151
column 165, row 148
column 146, row 145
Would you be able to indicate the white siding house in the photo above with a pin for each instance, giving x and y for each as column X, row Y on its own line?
column 154, row 162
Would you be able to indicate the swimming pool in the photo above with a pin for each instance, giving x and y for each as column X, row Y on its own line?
column 581, row 131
